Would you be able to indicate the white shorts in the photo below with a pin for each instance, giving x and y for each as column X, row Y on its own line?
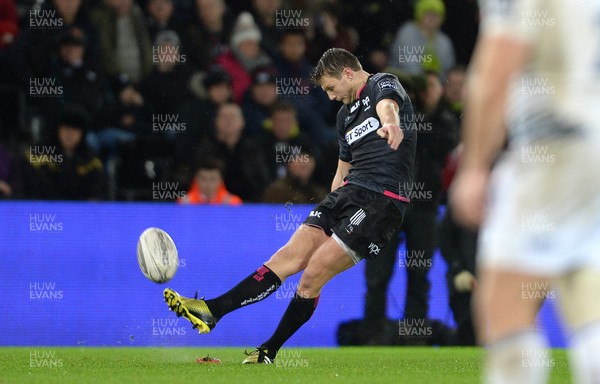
column 544, row 210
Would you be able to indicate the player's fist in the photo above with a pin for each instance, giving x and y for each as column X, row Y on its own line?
column 392, row 133
column 467, row 196
column 464, row 281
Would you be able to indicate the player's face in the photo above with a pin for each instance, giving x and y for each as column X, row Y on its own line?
column 337, row 89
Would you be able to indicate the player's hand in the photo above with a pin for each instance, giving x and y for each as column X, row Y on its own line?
column 464, row 281
column 467, row 196
column 392, row 133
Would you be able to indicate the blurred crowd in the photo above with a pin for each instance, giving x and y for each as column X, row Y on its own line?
column 126, row 99
column 208, row 101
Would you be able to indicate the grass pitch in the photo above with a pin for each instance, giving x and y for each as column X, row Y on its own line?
column 293, row 365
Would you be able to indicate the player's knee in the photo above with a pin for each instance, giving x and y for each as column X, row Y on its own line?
column 310, row 284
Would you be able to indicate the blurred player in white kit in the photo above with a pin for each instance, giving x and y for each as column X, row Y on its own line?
column 536, row 70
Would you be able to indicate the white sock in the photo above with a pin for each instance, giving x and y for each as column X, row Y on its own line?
column 521, row 357
column 585, row 354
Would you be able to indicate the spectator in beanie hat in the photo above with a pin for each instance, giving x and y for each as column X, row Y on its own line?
column 420, row 46
column 244, row 56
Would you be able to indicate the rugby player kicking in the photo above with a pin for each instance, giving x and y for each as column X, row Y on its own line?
column 356, row 220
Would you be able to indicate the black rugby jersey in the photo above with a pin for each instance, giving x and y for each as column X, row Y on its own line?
column 375, row 165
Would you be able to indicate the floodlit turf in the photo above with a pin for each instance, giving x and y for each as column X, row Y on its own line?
column 294, row 365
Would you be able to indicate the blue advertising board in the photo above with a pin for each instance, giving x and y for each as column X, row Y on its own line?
column 70, row 277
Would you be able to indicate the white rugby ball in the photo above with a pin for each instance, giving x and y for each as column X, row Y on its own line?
column 157, row 255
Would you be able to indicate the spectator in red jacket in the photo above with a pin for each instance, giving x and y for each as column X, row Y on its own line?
column 244, row 56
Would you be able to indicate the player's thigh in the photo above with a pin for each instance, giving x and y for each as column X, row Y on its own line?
column 294, row 255
column 507, row 302
column 328, row 260
column 578, row 294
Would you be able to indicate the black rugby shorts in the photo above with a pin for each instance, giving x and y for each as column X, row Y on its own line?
column 360, row 220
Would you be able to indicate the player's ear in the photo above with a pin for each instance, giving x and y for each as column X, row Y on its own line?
column 348, row 73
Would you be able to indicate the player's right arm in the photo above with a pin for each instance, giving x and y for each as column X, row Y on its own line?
column 340, row 174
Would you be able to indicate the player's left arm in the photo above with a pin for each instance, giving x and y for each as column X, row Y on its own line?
column 388, row 112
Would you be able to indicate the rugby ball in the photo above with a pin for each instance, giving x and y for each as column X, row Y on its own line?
column 157, row 255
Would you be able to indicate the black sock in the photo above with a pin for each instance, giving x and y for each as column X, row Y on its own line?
column 259, row 285
column 296, row 314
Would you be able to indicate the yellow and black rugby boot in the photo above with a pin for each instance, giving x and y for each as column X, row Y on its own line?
column 195, row 310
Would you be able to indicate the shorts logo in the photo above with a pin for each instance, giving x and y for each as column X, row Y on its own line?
column 369, row 125
column 374, row 248
column 387, row 84
column 356, row 219
column 315, row 214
